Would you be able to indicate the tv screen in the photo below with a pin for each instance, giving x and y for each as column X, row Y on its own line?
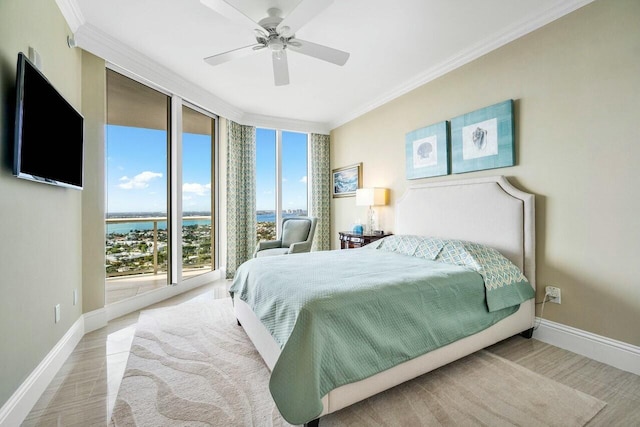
column 49, row 131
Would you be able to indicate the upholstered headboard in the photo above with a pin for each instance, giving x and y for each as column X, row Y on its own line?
column 487, row 210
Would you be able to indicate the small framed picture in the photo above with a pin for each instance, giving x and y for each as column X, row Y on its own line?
column 483, row 139
column 427, row 151
column 347, row 180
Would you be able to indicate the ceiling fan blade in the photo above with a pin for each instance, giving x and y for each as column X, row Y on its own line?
column 233, row 14
column 232, row 54
column 302, row 14
column 280, row 68
column 319, row 51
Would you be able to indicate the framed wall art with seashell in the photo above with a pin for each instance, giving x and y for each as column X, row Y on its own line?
column 427, row 151
column 483, row 139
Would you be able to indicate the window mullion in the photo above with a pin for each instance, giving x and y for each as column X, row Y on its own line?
column 175, row 191
column 278, row 182
column 309, row 175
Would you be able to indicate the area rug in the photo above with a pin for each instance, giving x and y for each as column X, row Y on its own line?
column 192, row 365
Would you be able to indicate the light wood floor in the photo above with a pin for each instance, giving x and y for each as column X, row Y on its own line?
column 84, row 391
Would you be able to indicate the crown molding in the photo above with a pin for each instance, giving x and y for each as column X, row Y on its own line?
column 475, row 51
column 285, row 124
column 133, row 62
column 113, row 51
column 71, row 13
column 101, row 44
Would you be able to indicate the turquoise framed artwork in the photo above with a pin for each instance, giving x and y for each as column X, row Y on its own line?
column 483, row 139
column 427, row 151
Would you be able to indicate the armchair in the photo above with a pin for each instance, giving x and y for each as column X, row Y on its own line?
column 296, row 236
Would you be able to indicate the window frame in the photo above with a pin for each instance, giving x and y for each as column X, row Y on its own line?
column 278, row 160
column 174, row 181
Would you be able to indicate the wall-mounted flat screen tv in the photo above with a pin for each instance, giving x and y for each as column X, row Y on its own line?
column 49, row 131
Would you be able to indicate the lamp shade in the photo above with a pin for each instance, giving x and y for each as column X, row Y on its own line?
column 374, row 196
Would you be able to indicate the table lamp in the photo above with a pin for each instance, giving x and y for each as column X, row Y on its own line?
column 371, row 197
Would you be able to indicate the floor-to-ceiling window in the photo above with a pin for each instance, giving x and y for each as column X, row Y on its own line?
column 266, row 183
column 294, row 173
column 281, row 178
column 137, row 187
column 142, row 160
column 198, row 158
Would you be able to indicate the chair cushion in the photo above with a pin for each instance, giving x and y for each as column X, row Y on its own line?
column 270, row 252
column 294, row 231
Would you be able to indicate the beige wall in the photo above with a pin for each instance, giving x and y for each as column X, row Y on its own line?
column 93, row 196
column 576, row 86
column 41, row 226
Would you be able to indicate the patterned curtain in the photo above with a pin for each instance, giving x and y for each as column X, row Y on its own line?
column 321, row 191
column 241, row 195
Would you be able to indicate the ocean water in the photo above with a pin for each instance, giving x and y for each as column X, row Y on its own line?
column 126, row 227
column 266, row 218
column 272, row 217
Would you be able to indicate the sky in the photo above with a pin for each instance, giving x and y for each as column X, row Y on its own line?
column 137, row 176
column 294, row 170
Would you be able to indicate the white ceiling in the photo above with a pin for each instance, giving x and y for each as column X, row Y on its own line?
column 395, row 46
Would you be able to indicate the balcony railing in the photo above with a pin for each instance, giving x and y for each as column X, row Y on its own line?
column 135, row 259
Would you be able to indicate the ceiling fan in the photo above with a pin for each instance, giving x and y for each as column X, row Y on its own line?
column 278, row 35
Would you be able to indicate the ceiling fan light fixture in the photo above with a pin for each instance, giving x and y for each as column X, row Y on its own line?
column 285, row 32
column 276, row 45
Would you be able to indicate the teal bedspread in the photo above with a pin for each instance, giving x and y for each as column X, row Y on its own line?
column 341, row 316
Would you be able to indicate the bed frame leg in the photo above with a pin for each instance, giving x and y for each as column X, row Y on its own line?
column 527, row 334
column 313, row 423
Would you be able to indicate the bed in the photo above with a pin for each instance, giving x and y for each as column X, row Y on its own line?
column 337, row 327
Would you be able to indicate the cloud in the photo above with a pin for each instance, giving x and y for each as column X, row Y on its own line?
column 303, row 179
column 195, row 188
column 139, row 181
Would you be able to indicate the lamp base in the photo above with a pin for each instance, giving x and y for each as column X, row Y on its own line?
column 371, row 223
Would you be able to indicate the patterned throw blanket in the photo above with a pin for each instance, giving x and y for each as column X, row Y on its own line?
column 341, row 316
column 504, row 282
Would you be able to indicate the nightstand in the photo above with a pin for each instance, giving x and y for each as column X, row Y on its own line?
column 349, row 240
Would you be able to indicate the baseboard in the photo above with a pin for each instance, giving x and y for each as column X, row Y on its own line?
column 97, row 319
column 94, row 320
column 606, row 350
column 129, row 305
column 16, row 409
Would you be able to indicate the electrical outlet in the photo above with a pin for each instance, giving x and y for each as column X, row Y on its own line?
column 554, row 294
column 75, row 296
column 57, row 311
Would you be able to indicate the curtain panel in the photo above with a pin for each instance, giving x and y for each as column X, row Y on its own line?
column 321, row 191
column 241, row 195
